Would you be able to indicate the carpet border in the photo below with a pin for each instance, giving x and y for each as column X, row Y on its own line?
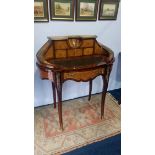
column 91, row 142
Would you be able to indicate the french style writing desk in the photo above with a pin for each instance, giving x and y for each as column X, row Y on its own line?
column 78, row 58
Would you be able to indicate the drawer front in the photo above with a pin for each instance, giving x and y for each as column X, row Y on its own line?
column 46, row 74
column 83, row 75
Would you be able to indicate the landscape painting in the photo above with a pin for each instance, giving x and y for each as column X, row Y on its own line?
column 41, row 11
column 87, row 9
column 38, row 9
column 62, row 9
column 109, row 10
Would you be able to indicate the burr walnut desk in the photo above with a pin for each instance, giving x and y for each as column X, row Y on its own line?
column 78, row 58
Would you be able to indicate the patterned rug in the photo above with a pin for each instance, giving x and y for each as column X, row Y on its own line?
column 81, row 121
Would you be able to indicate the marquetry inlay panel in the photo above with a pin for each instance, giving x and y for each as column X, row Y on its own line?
column 84, row 75
column 78, row 52
column 88, row 43
column 60, row 53
column 60, row 45
column 49, row 54
column 88, row 51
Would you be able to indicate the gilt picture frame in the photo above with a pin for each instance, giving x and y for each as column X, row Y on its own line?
column 41, row 11
column 62, row 10
column 86, row 10
column 108, row 9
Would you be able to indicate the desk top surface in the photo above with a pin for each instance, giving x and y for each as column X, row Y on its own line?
column 78, row 62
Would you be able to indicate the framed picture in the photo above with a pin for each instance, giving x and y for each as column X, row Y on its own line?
column 86, row 10
column 62, row 9
column 41, row 11
column 108, row 9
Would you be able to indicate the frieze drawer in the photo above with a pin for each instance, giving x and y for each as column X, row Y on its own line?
column 83, row 75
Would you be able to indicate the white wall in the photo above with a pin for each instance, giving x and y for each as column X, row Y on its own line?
column 108, row 32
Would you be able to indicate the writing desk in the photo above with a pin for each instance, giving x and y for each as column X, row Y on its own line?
column 78, row 58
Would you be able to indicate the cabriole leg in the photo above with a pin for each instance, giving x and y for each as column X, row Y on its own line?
column 54, row 94
column 59, row 90
column 90, row 89
column 105, row 83
column 105, row 78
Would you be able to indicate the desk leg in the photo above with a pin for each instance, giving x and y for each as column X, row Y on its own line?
column 104, row 91
column 90, row 89
column 105, row 83
column 54, row 94
column 59, row 90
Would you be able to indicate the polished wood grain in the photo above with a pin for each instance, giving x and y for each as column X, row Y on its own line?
column 78, row 58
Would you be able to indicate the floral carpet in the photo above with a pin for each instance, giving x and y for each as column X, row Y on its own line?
column 81, row 121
